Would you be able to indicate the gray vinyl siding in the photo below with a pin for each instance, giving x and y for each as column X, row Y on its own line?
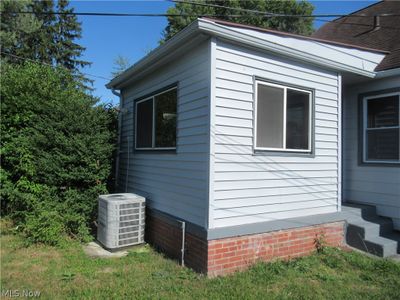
column 249, row 187
column 175, row 183
column 376, row 185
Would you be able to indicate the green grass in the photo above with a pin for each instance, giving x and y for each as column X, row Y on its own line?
column 62, row 273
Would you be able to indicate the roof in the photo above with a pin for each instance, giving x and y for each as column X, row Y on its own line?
column 360, row 30
column 331, row 55
column 294, row 35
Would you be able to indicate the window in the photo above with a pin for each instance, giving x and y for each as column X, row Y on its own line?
column 156, row 121
column 381, row 128
column 283, row 118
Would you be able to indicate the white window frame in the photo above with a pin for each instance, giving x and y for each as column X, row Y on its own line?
column 310, row 121
column 365, row 128
column 153, row 133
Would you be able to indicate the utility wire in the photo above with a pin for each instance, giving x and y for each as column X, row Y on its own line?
column 259, row 13
column 95, row 14
column 269, row 14
column 50, row 65
column 264, row 14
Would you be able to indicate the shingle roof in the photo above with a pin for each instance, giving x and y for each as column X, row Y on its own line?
column 360, row 31
column 294, row 35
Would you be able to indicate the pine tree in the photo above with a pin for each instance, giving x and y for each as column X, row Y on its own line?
column 121, row 63
column 288, row 24
column 67, row 30
column 42, row 35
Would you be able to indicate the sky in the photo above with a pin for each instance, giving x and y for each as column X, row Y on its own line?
column 107, row 37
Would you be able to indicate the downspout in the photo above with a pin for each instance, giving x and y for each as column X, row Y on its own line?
column 119, row 136
column 183, row 230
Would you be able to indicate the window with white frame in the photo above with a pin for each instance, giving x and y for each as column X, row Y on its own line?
column 381, row 128
column 156, row 121
column 283, row 118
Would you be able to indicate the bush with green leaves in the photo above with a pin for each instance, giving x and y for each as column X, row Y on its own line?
column 57, row 147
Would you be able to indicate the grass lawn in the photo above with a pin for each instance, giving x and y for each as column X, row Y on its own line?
column 60, row 273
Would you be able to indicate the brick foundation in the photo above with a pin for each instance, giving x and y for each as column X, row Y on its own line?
column 227, row 255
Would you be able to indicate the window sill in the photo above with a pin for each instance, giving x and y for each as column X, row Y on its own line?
column 155, row 150
column 292, row 153
column 380, row 163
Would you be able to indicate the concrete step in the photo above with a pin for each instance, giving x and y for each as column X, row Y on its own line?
column 368, row 232
column 371, row 226
column 377, row 245
column 395, row 236
column 358, row 210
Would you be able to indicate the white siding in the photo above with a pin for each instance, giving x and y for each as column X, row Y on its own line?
column 252, row 188
column 175, row 183
column 373, row 185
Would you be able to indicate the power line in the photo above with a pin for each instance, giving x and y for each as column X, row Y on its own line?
column 263, row 14
column 248, row 11
column 95, row 14
column 269, row 14
column 50, row 65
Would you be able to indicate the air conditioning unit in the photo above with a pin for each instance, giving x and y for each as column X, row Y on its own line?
column 121, row 220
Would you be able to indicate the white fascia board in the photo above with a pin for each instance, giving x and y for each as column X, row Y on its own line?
column 269, row 42
column 273, row 45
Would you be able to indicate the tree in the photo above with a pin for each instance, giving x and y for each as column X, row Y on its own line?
column 121, row 63
column 288, row 7
column 30, row 30
column 56, row 151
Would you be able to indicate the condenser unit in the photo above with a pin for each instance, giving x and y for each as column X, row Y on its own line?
column 121, row 220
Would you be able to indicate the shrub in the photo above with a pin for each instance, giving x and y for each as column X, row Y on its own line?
column 56, row 152
column 44, row 227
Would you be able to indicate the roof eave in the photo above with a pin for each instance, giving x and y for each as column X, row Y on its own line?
column 229, row 34
column 211, row 28
column 388, row 73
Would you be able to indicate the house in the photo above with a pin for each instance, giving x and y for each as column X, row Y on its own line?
column 372, row 176
column 246, row 142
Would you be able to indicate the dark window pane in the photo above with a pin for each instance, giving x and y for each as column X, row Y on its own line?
column 383, row 112
column 383, row 144
column 144, row 124
column 269, row 117
column 297, row 119
column 166, row 119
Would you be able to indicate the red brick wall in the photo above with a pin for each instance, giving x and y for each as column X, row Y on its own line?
column 231, row 254
column 224, row 256
column 167, row 237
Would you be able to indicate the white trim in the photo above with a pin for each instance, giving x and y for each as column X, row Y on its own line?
column 211, row 28
column 211, row 132
column 365, row 128
column 310, row 116
column 284, row 117
column 153, row 137
column 228, row 33
column 340, row 151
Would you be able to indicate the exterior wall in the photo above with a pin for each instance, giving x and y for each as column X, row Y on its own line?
column 237, row 253
column 377, row 185
column 249, row 187
column 227, row 255
column 176, row 183
column 165, row 234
